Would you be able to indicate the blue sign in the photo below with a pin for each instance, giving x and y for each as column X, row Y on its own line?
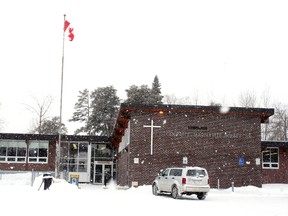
column 241, row 161
column 74, row 179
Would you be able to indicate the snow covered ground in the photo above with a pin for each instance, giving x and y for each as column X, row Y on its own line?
column 18, row 197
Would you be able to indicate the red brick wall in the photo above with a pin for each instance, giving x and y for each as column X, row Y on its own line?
column 50, row 166
column 123, row 169
column 217, row 146
column 278, row 175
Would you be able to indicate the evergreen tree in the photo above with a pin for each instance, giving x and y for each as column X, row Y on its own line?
column 104, row 106
column 145, row 95
column 82, row 112
column 139, row 95
column 156, row 91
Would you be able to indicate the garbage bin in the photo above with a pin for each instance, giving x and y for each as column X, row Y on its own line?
column 47, row 179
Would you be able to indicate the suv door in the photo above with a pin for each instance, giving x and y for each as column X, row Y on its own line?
column 163, row 179
column 175, row 176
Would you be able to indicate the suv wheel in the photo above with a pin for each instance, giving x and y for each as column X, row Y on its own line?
column 155, row 189
column 174, row 192
column 201, row 196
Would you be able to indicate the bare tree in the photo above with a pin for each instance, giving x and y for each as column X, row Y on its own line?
column 172, row 99
column 195, row 98
column 279, row 123
column 247, row 99
column 265, row 102
column 265, row 98
column 40, row 110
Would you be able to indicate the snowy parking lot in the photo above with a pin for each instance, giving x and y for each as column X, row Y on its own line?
column 20, row 198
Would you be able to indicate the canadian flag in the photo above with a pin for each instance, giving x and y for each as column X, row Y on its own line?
column 71, row 34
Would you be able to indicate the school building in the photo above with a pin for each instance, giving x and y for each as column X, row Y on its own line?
column 86, row 156
column 227, row 142
column 147, row 138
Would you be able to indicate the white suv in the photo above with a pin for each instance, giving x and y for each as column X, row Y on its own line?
column 179, row 181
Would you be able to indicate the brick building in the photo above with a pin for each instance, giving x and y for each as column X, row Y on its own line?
column 274, row 162
column 27, row 152
column 226, row 142
column 87, row 156
column 148, row 138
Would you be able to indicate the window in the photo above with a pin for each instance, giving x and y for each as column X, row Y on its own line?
column 38, row 152
column 165, row 173
column 83, row 157
column 13, row 151
column 3, row 152
column 270, row 158
column 101, row 150
column 175, row 172
column 74, row 157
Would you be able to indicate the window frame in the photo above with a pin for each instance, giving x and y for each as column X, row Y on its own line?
column 270, row 163
column 40, row 145
column 8, row 145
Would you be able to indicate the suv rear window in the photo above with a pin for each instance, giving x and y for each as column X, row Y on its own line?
column 196, row 173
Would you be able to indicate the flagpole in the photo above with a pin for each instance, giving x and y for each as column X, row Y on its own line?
column 57, row 174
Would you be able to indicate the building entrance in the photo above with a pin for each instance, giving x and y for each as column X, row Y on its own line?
column 103, row 172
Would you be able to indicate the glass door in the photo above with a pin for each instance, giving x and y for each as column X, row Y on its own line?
column 98, row 174
column 103, row 171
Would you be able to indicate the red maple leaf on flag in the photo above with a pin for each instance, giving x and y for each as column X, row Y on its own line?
column 71, row 35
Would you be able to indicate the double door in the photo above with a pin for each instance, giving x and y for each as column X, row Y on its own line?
column 103, row 172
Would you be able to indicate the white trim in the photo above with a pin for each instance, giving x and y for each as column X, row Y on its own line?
column 37, row 145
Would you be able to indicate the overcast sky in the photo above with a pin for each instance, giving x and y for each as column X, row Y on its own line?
column 216, row 49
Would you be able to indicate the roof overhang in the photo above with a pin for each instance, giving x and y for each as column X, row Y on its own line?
column 262, row 113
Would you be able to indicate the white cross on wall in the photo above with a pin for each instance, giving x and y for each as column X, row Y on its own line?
column 152, row 126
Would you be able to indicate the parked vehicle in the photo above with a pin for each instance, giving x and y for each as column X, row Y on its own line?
column 180, row 181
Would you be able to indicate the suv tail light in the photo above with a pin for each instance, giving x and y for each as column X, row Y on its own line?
column 209, row 182
column 183, row 181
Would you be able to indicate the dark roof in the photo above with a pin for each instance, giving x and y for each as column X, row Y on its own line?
column 17, row 136
column 274, row 143
column 263, row 113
